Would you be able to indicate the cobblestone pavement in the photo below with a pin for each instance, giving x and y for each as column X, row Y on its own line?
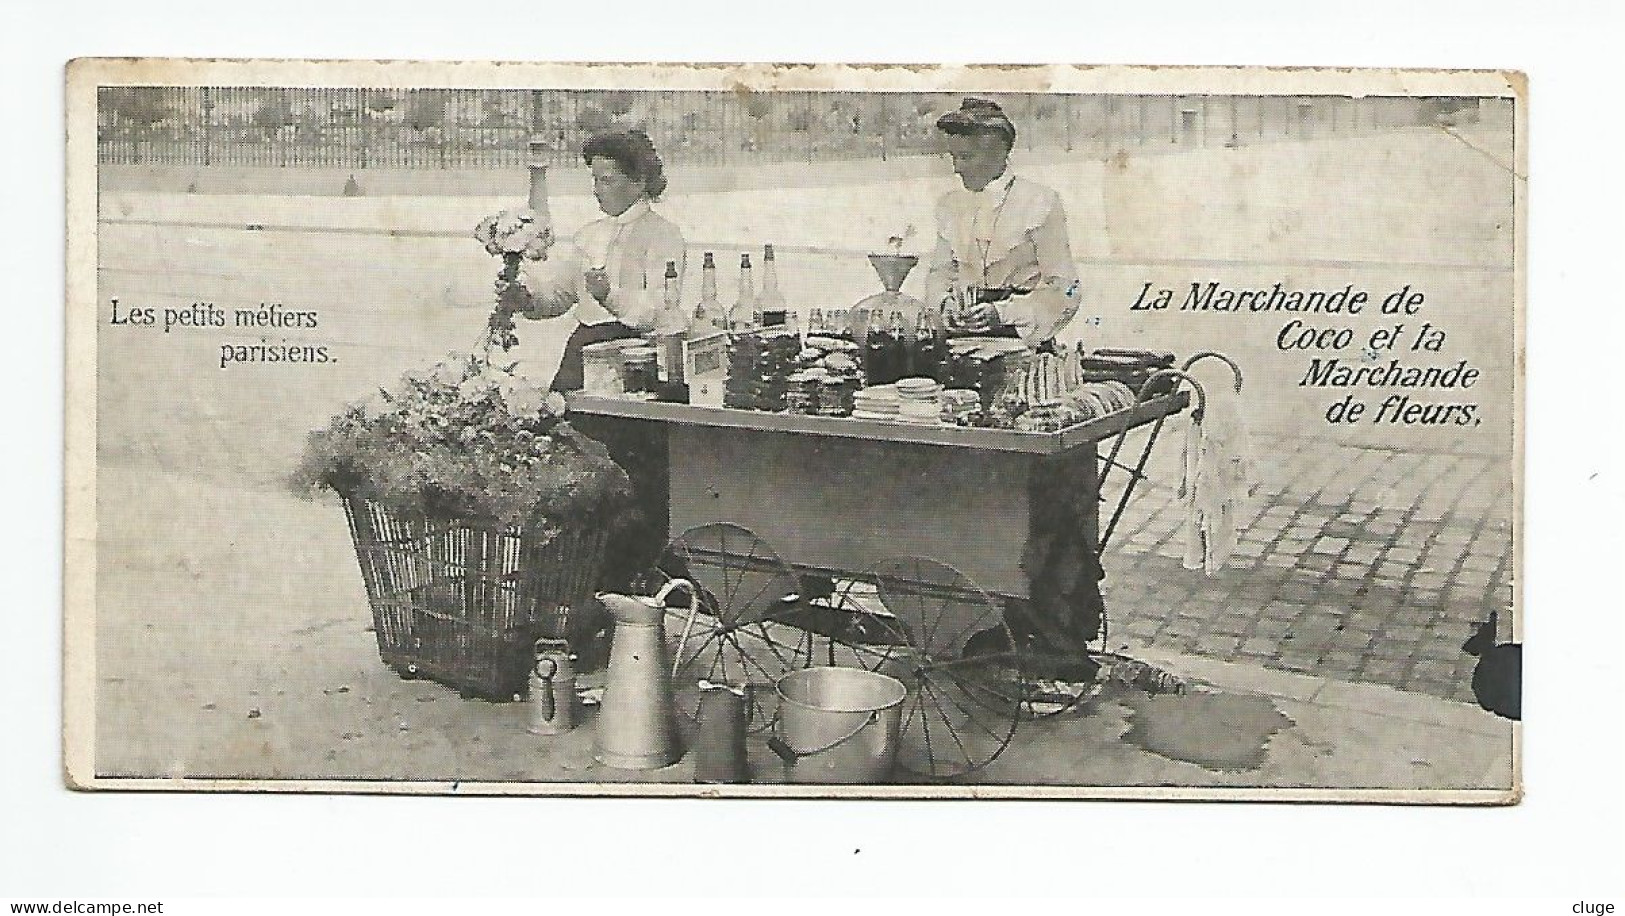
column 1355, row 563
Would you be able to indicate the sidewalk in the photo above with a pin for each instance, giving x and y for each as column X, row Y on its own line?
column 283, row 682
column 1310, row 732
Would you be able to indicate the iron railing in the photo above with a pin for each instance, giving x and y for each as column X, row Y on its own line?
column 489, row 128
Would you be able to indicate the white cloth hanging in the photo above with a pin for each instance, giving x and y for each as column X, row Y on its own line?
column 1218, row 478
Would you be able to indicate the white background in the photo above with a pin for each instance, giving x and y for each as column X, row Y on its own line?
column 1563, row 843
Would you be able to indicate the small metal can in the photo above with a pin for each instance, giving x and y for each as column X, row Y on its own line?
column 552, row 688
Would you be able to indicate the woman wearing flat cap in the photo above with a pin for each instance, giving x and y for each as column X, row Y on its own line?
column 1000, row 236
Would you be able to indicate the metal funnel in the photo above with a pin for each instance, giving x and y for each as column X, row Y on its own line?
column 893, row 269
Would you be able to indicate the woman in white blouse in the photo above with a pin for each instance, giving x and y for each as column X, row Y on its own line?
column 611, row 278
column 1000, row 235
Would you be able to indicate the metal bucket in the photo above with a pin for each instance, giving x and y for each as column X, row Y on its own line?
column 838, row 725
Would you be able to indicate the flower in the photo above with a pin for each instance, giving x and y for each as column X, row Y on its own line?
column 529, row 401
column 446, row 372
column 520, row 231
column 473, row 387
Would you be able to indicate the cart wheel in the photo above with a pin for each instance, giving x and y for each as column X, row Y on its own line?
column 744, row 631
column 946, row 640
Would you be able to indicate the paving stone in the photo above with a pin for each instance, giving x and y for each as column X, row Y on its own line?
column 1258, row 646
column 1281, row 611
column 1271, row 629
column 1143, row 627
column 1406, row 634
column 1363, row 554
column 1330, row 545
column 1216, row 646
column 1338, row 667
column 1385, row 671
column 1317, row 566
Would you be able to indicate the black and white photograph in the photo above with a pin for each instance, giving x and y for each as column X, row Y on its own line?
column 809, row 432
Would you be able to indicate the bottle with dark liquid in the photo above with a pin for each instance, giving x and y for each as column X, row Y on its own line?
column 929, row 355
column 897, row 360
column 875, row 341
column 771, row 305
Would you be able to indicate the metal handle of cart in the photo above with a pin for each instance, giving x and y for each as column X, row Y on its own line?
column 1210, row 354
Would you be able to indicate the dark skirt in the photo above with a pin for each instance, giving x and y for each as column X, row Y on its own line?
column 571, row 373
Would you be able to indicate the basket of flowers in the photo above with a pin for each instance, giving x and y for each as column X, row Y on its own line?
column 479, row 517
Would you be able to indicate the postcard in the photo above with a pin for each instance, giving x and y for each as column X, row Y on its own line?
column 794, row 430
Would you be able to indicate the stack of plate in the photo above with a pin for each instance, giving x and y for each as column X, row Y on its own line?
column 877, row 402
column 918, row 401
column 918, row 389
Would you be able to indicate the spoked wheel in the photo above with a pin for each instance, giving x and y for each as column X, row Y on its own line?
column 743, row 631
column 931, row 627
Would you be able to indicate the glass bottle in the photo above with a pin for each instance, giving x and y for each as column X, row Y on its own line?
column 929, row 356
column 708, row 311
column 669, row 327
column 876, row 347
column 897, row 358
column 745, row 314
column 771, row 304
column 838, row 323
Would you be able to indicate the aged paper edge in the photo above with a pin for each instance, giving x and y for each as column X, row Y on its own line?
column 85, row 75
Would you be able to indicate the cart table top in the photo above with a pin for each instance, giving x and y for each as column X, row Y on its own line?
column 1005, row 440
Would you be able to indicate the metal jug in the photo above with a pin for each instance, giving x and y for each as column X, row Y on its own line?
column 552, row 688
column 719, row 747
column 636, row 730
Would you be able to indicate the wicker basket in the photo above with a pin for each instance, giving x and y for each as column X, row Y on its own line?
column 464, row 605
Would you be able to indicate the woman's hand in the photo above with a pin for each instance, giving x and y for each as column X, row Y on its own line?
column 549, row 305
column 597, row 279
column 977, row 319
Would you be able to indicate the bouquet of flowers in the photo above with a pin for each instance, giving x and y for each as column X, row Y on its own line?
column 516, row 233
column 467, row 440
column 512, row 235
